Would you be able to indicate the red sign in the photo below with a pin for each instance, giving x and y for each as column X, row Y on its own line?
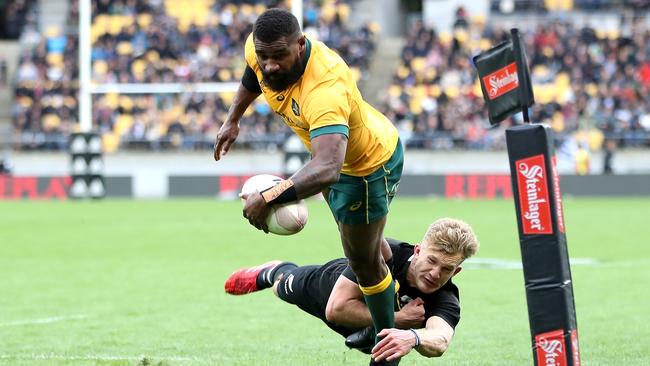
column 551, row 349
column 533, row 195
column 478, row 186
column 575, row 348
column 558, row 196
column 501, row 81
column 34, row 187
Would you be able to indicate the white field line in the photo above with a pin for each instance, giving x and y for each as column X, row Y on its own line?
column 52, row 356
column 494, row 263
column 52, row 319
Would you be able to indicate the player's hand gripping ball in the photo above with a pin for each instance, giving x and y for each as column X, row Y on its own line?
column 285, row 219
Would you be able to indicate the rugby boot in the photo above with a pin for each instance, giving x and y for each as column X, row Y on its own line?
column 384, row 363
column 244, row 281
column 362, row 340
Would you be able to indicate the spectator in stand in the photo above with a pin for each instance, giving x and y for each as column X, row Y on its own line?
column 149, row 43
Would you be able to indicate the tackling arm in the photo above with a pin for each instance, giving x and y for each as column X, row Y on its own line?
column 345, row 306
column 435, row 337
column 430, row 341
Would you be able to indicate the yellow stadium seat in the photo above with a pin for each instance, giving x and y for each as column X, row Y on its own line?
column 420, row 91
column 122, row 124
column 591, row 89
column 260, row 8
column 55, row 59
column 124, row 48
column 614, row 34
column 394, row 90
column 144, row 20
column 51, row 121
column 415, row 105
column 452, row 92
column 374, row 27
column 138, row 66
column 403, row 72
column 418, row 64
column 461, row 35
column 328, row 12
column 343, row 10
column 152, row 56
column 238, row 73
column 485, row 44
column 227, row 97
column 126, row 102
column 434, row 91
column 110, row 142
column 445, row 38
column 246, row 9
column 112, row 100
column 596, row 138
column 52, row 31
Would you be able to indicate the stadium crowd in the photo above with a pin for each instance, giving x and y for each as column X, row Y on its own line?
column 140, row 41
column 585, row 79
column 587, row 83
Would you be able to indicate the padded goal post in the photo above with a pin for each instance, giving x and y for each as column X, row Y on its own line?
column 505, row 82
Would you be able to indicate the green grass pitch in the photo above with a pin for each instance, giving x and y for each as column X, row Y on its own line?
column 141, row 283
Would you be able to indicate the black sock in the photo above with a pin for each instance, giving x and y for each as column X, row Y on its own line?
column 267, row 277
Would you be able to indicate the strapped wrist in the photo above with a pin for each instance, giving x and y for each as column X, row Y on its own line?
column 417, row 337
column 282, row 192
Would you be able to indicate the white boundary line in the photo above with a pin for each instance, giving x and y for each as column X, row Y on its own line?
column 494, row 263
column 52, row 356
column 52, row 319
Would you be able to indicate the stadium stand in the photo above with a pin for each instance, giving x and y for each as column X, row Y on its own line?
column 590, row 84
column 138, row 41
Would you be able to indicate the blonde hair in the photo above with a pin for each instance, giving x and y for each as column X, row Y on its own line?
column 451, row 236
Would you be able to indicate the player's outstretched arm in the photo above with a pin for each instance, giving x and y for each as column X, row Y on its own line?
column 324, row 168
column 230, row 128
column 430, row 341
column 345, row 306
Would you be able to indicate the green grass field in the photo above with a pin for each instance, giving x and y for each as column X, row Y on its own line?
column 141, row 283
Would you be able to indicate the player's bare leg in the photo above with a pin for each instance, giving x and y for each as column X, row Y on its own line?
column 363, row 246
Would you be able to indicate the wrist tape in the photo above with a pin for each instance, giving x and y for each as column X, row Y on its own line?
column 282, row 192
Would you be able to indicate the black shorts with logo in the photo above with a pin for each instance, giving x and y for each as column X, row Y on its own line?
column 309, row 288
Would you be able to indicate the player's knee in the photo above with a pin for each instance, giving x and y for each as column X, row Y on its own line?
column 276, row 284
column 369, row 271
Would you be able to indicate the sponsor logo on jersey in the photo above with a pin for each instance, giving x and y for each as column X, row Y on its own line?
column 551, row 350
column 295, row 108
column 393, row 190
column 279, row 98
column 501, row 81
column 533, row 195
column 355, row 206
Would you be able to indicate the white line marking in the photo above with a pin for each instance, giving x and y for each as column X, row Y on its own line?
column 52, row 319
column 494, row 263
column 51, row 356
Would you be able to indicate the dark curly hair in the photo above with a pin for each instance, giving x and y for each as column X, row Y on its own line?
column 274, row 24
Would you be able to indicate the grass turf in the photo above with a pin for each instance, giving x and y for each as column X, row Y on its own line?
column 141, row 283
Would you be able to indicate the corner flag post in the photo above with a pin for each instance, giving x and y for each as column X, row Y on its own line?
column 505, row 82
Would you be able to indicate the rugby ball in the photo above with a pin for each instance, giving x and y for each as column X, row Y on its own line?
column 285, row 219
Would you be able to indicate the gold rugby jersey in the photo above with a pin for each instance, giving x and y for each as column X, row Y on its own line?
column 326, row 100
